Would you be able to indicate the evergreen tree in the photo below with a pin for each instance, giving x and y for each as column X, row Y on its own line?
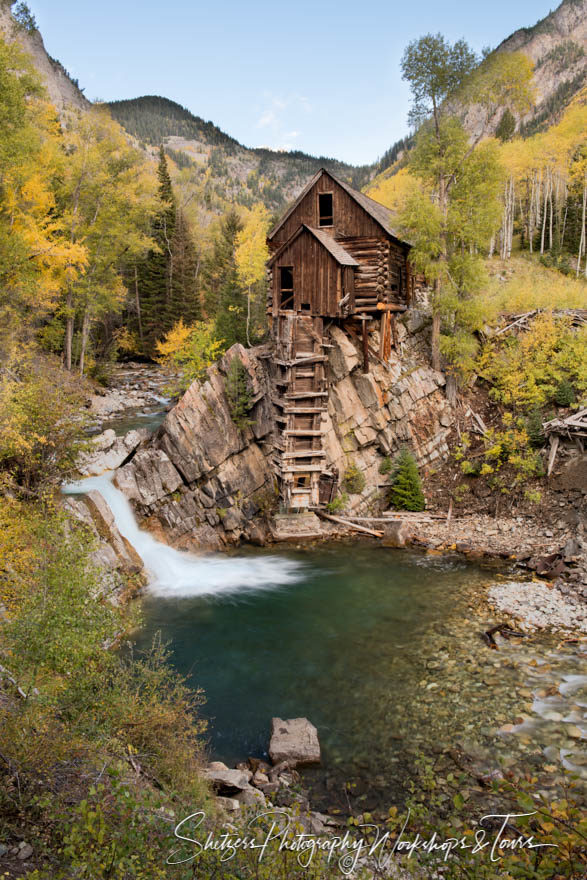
column 406, row 489
column 185, row 298
column 225, row 295
column 155, row 274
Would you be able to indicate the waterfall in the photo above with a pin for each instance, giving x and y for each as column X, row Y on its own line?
column 177, row 574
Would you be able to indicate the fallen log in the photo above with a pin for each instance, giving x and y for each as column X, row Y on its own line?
column 351, row 525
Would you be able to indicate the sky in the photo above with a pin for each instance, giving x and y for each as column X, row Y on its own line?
column 323, row 77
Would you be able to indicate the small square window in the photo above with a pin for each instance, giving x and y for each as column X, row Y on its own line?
column 325, row 210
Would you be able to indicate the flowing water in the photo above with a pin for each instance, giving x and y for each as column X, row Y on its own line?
column 379, row 648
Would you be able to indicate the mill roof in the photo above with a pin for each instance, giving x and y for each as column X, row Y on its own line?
column 335, row 249
column 378, row 212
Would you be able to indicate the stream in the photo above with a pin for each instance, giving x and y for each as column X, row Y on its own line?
column 379, row 648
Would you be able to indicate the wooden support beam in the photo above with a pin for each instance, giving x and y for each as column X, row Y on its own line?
column 298, row 432
column 365, row 348
column 390, row 307
column 554, row 441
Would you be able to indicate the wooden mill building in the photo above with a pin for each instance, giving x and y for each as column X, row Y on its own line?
column 334, row 258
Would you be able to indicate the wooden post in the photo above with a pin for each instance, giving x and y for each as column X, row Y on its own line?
column 365, row 348
column 554, row 441
column 394, row 332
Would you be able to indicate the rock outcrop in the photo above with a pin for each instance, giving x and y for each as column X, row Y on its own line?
column 63, row 92
column 295, row 741
column 109, row 452
column 202, row 482
column 201, row 479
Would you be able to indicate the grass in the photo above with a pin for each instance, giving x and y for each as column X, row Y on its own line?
column 529, row 285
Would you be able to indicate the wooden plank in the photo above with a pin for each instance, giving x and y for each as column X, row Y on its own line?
column 351, row 525
column 298, row 432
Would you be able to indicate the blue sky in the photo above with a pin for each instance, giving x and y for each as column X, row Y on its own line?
column 321, row 76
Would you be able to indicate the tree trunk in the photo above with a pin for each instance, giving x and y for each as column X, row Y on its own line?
column 436, row 341
column 86, row 323
column 248, row 314
column 69, row 329
column 138, row 304
column 582, row 240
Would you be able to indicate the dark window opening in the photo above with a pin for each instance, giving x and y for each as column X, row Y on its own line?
column 302, row 481
column 286, row 287
column 325, row 210
column 305, row 307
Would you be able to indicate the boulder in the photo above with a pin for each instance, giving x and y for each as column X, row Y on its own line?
column 231, row 805
column 251, row 797
column 397, row 534
column 294, row 740
column 226, row 780
column 109, row 452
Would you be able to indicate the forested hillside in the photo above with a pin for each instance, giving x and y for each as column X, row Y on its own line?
column 233, row 172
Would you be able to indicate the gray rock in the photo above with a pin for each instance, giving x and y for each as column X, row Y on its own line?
column 294, row 740
column 231, row 805
column 224, row 779
column 251, row 797
column 25, row 851
column 397, row 534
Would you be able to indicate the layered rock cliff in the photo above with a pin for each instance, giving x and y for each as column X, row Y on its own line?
column 202, row 482
column 62, row 91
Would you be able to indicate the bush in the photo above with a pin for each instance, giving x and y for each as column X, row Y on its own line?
column 338, row 504
column 386, row 465
column 406, row 490
column 41, row 429
column 354, row 480
column 534, row 429
column 565, row 393
column 238, row 393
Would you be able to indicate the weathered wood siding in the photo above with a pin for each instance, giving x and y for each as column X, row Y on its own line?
column 349, row 218
column 318, row 278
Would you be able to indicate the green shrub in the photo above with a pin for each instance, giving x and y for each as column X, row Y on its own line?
column 406, row 490
column 565, row 393
column 534, row 428
column 386, row 465
column 354, row 480
column 338, row 504
column 238, row 393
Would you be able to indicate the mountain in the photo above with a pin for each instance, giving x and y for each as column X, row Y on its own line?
column 557, row 47
column 223, row 171
column 225, row 167
column 62, row 88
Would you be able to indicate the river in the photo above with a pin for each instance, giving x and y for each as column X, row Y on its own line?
column 379, row 648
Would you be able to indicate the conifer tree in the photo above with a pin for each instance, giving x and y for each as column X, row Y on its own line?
column 406, row 489
column 155, row 274
column 226, row 298
column 185, row 298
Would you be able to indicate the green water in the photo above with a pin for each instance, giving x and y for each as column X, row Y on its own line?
column 348, row 646
column 381, row 650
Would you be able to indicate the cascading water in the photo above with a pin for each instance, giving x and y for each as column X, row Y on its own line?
column 176, row 574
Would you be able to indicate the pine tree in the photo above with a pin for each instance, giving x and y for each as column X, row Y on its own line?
column 184, row 301
column 406, row 489
column 155, row 273
column 225, row 296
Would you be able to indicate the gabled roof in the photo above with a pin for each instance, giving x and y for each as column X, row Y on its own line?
column 342, row 257
column 378, row 212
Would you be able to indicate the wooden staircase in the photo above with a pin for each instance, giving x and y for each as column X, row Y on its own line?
column 301, row 400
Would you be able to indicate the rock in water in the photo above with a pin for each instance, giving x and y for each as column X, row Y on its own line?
column 295, row 741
